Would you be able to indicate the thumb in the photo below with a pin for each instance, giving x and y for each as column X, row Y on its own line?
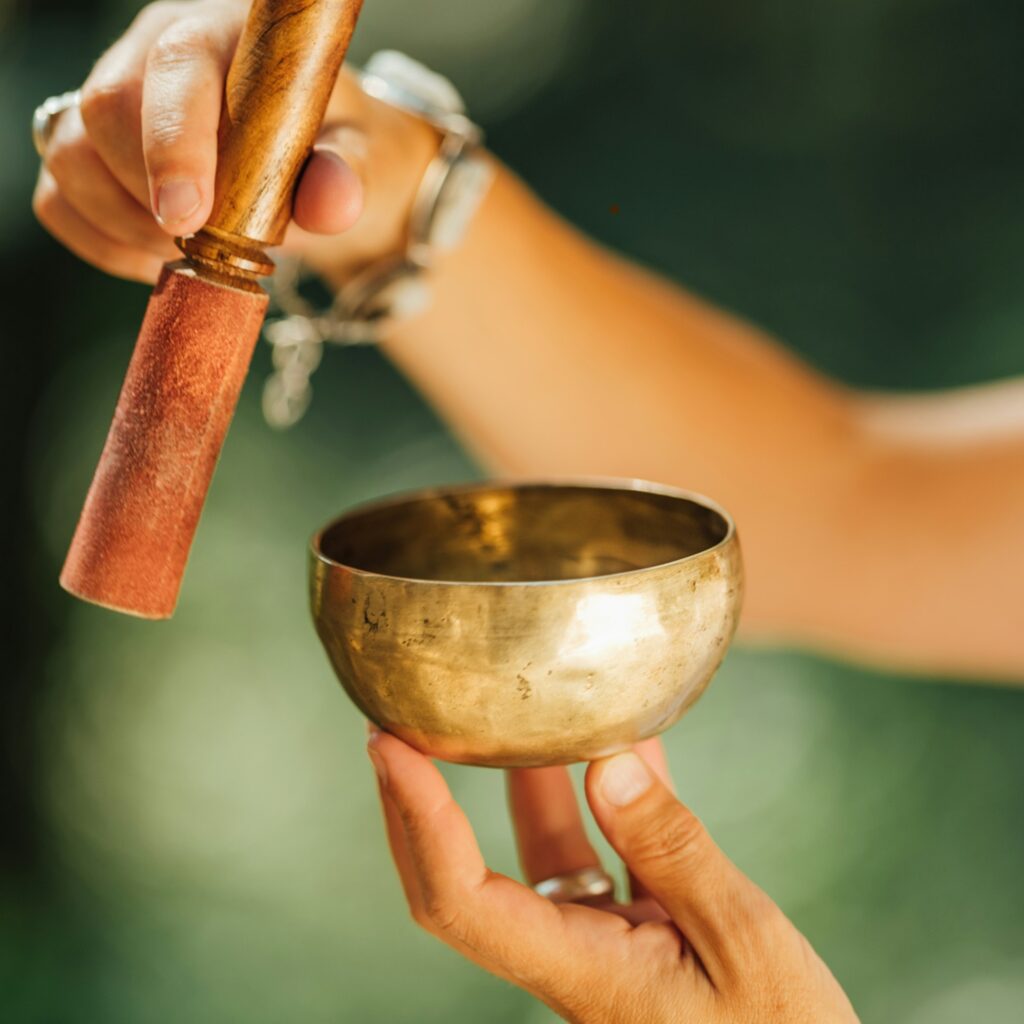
column 329, row 198
column 666, row 847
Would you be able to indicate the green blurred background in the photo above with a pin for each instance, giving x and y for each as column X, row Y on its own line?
column 189, row 831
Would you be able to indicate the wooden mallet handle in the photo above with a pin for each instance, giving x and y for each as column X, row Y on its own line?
column 135, row 532
column 278, row 88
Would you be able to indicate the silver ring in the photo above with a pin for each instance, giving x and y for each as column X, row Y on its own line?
column 585, row 884
column 44, row 120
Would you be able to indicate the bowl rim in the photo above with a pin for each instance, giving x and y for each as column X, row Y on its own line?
column 635, row 484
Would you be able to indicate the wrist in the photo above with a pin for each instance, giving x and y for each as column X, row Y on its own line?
column 406, row 135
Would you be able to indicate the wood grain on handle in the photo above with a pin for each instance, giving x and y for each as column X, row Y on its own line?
column 278, row 89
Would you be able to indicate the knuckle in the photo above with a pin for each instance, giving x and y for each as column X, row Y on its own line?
column 155, row 14
column 107, row 103
column 164, row 131
column 179, row 45
column 44, row 201
column 65, row 155
column 442, row 914
column 422, row 919
column 680, row 837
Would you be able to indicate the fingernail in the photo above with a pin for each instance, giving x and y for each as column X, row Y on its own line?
column 375, row 759
column 625, row 778
column 176, row 201
column 345, row 142
column 321, row 149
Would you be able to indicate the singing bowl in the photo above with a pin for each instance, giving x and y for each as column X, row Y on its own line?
column 517, row 625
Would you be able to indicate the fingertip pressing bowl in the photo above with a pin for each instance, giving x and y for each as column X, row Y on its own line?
column 526, row 624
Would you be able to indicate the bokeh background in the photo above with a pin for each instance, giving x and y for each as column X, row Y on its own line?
column 189, row 831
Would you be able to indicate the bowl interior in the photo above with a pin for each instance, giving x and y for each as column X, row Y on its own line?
column 523, row 534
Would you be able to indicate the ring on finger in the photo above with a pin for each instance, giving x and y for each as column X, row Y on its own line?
column 574, row 886
column 44, row 120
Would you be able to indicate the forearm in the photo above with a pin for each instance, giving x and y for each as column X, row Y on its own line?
column 935, row 538
column 551, row 357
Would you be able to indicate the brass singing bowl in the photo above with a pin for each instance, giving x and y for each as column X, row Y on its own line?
column 516, row 625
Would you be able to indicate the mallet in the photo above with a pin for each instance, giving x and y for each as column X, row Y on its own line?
column 132, row 542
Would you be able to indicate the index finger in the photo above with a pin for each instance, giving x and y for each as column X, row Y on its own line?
column 513, row 931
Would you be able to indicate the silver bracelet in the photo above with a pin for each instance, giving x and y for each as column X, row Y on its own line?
column 398, row 287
